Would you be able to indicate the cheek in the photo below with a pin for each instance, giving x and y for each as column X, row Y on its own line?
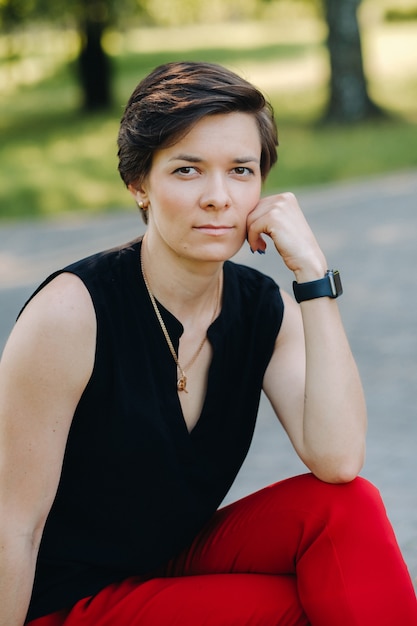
column 252, row 192
column 251, row 200
column 165, row 206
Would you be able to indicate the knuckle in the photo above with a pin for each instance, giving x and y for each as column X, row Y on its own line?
column 289, row 196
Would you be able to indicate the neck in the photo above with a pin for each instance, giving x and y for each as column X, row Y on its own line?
column 188, row 290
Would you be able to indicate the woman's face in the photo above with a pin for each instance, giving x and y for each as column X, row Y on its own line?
column 200, row 191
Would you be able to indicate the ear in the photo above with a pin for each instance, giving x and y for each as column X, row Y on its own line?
column 139, row 194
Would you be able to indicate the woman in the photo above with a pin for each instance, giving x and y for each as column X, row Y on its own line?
column 129, row 391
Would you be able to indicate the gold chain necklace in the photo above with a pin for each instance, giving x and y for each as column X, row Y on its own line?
column 182, row 380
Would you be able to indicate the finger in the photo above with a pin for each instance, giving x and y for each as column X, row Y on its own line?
column 255, row 239
column 256, row 225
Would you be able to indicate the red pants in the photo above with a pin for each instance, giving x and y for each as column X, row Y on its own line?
column 298, row 553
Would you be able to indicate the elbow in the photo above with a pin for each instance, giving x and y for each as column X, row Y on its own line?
column 338, row 470
column 340, row 476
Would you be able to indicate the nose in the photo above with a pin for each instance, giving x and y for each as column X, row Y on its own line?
column 216, row 194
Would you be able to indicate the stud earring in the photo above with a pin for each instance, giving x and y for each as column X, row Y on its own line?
column 141, row 205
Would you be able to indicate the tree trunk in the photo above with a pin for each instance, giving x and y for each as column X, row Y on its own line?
column 93, row 63
column 349, row 99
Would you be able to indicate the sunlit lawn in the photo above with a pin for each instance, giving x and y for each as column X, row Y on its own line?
column 53, row 159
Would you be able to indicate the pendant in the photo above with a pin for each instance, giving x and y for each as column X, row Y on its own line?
column 182, row 383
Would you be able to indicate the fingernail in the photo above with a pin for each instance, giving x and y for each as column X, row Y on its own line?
column 253, row 251
column 260, row 251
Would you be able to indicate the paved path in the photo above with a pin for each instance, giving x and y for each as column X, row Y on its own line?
column 368, row 230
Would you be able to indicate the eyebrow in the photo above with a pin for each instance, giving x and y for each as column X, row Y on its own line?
column 193, row 159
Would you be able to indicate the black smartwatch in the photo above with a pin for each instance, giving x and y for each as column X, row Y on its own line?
column 330, row 286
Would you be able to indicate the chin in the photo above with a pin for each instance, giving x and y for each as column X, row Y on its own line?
column 220, row 253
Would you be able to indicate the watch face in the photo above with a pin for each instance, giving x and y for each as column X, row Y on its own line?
column 336, row 283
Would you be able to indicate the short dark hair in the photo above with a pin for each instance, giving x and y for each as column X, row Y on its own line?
column 173, row 98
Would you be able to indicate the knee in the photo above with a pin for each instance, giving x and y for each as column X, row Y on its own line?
column 361, row 491
column 359, row 497
column 343, row 503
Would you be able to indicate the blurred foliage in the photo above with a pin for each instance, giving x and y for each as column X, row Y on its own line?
column 147, row 12
column 401, row 15
column 92, row 18
column 14, row 13
column 127, row 13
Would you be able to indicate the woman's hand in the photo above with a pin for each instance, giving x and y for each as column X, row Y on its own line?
column 280, row 217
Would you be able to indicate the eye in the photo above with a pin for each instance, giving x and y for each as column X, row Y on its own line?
column 240, row 170
column 185, row 170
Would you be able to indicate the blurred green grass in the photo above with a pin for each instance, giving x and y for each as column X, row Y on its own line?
column 54, row 159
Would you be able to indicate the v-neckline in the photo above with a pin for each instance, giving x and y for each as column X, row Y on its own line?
column 175, row 330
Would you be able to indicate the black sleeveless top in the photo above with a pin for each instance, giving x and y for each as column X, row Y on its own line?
column 136, row 486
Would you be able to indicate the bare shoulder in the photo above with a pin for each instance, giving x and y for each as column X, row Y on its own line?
column 55, row 334
column 61, row 310
column 64, row 299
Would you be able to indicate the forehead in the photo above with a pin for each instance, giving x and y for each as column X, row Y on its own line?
column 228, row 132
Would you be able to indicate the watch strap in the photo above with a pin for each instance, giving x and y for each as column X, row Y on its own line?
column 330, row 286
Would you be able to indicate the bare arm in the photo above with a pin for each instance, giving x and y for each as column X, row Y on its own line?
column 45, row 367
column 312, row 380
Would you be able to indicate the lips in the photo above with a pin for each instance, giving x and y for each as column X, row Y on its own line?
column 214, row 229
